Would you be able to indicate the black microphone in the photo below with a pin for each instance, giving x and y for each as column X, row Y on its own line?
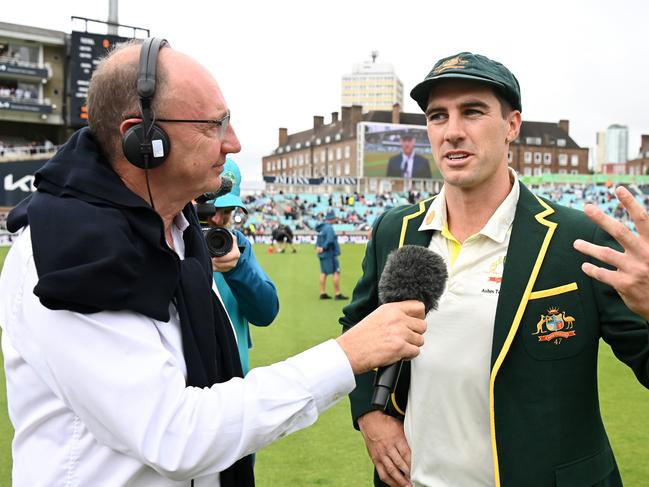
column 225, row 188
column 415, row 273
column 207, row 210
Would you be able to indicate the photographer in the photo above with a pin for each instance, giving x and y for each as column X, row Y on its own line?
column 248, row 294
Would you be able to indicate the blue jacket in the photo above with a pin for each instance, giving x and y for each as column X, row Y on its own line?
column 328, row 240
column 248, row 295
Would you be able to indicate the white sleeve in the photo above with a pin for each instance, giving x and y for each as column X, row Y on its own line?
column 115, row 372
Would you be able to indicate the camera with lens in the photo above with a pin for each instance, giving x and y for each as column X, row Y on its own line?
column 219, row 240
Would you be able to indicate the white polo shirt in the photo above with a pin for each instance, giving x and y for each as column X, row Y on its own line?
column 447, row 420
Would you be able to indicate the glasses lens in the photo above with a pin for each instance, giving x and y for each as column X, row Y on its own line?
column 223, row 128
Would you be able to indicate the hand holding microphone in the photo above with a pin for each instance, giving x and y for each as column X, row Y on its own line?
column 411, row 273
column 388, row 334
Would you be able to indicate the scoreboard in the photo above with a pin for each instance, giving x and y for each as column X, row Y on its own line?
column 86, row 50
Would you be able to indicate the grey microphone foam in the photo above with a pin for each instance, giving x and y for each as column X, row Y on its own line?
column 411, row 272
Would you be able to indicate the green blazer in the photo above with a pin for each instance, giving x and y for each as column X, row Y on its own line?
column 546, row 428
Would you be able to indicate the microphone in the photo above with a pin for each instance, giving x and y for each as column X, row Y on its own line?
column 415, row 273
column 225, row 188
column 207, row 210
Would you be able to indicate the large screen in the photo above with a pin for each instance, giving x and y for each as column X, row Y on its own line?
column 396, row 151
column 86, row 50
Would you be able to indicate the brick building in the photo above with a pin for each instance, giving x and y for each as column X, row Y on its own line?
column 547, row 148
column 640, row 165
column 328, row 154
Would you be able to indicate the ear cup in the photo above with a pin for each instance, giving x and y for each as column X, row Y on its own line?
column 132, row 143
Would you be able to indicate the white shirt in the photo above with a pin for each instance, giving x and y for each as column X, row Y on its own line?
column 100, row 399
column 406, row 164
column 447, row 420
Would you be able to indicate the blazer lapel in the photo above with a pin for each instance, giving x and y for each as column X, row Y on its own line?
column 528, row 244
column 410, row 234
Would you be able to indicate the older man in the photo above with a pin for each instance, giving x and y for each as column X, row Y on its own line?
column 121, row 364
column 504, row 391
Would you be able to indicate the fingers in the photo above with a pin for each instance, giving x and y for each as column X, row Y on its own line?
column 391, row 475
column 604, row 254
column 399, row 461
column 635, row 210
column 616, row 229
column 599, row 273
column 411, row 308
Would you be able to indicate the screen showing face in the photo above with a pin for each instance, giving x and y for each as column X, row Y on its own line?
column 396, row 151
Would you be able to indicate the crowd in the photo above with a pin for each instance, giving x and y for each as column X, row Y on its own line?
column 356, row 212
column 16, row 147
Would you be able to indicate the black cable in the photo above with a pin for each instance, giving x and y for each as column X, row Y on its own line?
column 146, row 176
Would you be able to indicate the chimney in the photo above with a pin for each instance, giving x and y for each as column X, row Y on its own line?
column 644, row 144
column 356, row 118
column 318, row 122
column 565, row 126
column 334, row 117
column 396, row 113
column 345, row 117
column 283, row 136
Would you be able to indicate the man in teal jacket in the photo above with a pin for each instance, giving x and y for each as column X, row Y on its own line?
column 504, row 391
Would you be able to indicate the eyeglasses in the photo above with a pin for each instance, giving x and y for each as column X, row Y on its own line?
column 222, row 123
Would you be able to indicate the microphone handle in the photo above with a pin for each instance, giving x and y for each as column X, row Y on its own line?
column 384, row 384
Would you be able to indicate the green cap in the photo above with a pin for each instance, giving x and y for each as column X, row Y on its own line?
column 467, row 65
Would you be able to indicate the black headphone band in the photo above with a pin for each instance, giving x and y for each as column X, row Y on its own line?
column 146, row 80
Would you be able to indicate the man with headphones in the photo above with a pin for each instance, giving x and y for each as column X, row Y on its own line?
column 121, row 364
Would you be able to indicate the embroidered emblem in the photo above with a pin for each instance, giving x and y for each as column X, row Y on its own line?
column 454, row 63
column 229, row 174
column 550, row 326
column 430, row 217
column 496, row 270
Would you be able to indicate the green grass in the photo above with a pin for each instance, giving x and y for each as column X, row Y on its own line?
column 331, row 452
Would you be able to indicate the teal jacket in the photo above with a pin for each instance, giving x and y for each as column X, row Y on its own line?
column 248, row 295
column 546, row 428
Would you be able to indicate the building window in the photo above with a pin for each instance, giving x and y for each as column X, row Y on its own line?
column 563, row 171
column 331, row 156
column 267, row 166
column 338, row 170
column 537, row 158
column 538, row 171
column 318, row 141
column 283, row 163
column 527, row 157
column 547, row 158
column 339, row 153
column 563, row 159
column 574, row 171
column 547, row 170
column 347, row 169
column 298, row 145
column 348, row 151
column 528, row 171
column 533, row 140
column 323, row 156
column 561, row 142
column 574, row 159
column 327, row 139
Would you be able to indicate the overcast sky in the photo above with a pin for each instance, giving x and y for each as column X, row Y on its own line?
column 280, row 62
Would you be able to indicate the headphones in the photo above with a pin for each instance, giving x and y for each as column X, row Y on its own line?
column 146, row 145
